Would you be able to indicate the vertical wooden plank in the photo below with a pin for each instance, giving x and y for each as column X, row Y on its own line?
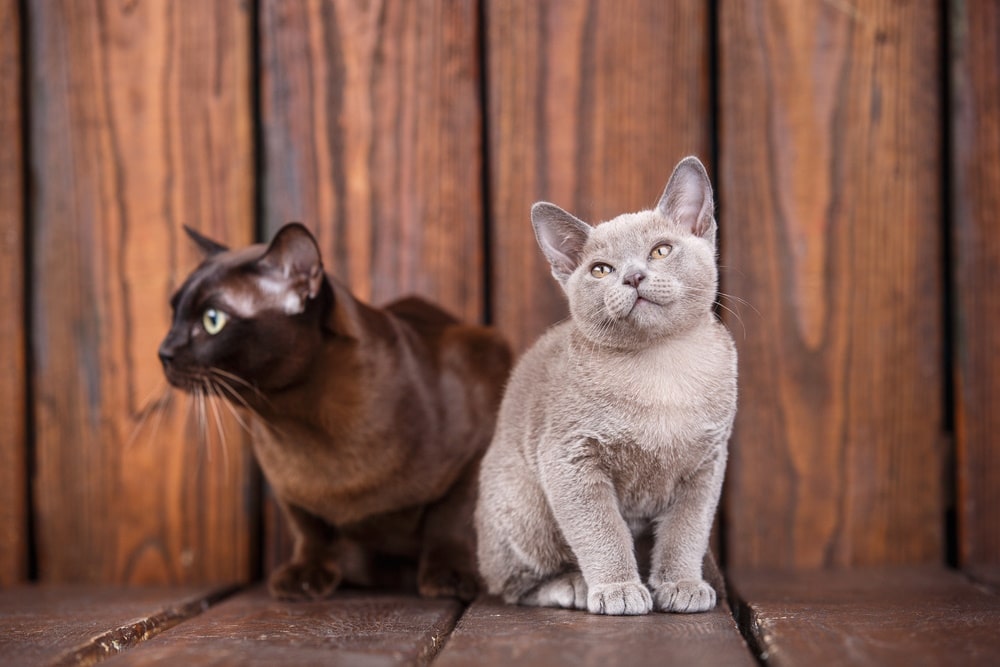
column 13, row 470
column 831, row 187
column 371, row 121
column 372, row 137
column 975, row 207
column 590, row 105
column 141, row 123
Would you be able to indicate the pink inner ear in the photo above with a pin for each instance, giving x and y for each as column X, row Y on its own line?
column 688, row 201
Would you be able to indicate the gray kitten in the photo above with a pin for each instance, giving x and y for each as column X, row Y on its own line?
column 616, row 421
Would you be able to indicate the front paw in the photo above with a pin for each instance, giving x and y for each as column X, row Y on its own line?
column 686, row 596
column 619, row 599
column 304, row 581
column 568, row 591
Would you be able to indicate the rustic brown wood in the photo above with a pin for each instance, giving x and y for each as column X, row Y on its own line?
column 141, row 123
column 880, row 617
column 589, row 105
column 492, row 633
column 975, row 205
column 988, row 575
column 81, row 625
column 830, row 152
column 13, row 470
column 349, row 629
column 372, row 137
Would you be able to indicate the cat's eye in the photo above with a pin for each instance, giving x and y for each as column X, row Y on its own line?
column 661, row 251
column 600, row 270
column 214, row 320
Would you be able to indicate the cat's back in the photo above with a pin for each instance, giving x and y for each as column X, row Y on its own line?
column 421, row 313
column 470, row 362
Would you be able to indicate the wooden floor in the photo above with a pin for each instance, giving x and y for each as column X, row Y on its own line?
column 883, row 617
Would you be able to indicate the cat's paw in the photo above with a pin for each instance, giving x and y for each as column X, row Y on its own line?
column 442, row 581
column 304, row 581
column 568, row 591
column 619, row 599
column 686, row 596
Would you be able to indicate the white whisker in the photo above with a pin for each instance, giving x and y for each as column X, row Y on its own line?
column 150, row 406
column 213, row 404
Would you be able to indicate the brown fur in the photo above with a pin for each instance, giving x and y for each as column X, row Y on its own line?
column 372, row 422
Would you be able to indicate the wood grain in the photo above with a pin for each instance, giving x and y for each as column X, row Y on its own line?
column 372, row 137
column 886, row 617
column 13, row 443
column 141, row 123
column 349, row 629
column 492, row 633
column 589, row 105
column 79, row 625
column 830, row 172
column 975, row 205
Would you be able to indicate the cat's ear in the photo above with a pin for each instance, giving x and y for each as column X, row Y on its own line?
column 561, row 237
column 294, row 264
column 207, row 245
column 687, row 200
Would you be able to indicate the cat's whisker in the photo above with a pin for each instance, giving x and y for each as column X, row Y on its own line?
column 150, row 406
column 736, row 315
column 227, row 391
column 223, row 443
column 232, row 392
column 203, row 423
column 739, row 300
column 232, row 377
column 161, row 414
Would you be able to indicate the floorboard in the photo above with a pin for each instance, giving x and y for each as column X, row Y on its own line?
column 492, row 633
column 81, row 625
column 868, row 617
column 352, row 628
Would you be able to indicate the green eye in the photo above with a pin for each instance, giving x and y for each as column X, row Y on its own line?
column 600, row 270
column 214, row 320
column 661, row 251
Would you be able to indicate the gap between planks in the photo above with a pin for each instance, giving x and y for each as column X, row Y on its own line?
column 136, row 632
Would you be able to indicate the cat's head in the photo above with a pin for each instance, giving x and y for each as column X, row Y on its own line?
column 640, row 276
column 247, row 317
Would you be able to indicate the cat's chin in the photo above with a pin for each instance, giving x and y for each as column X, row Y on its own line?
column 188, row 383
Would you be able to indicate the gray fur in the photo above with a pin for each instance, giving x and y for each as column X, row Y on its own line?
column 617, row 420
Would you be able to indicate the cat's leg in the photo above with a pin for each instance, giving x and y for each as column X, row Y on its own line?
column 522, row 557
column 312, row 573
column 447, row 565
column 682, row 535
column 585, row 506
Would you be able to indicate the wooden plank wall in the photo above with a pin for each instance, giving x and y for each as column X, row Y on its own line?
column 13, row 443
column 140, row 122
column 830, row 130
column 975, row 77
column 854, row 148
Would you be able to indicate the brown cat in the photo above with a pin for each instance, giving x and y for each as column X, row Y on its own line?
column 368, row 423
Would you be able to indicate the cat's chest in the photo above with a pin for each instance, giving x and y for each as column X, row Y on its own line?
column 662, row 394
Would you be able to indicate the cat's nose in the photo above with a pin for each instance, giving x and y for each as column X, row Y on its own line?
column 634, row 278
column 166, row 354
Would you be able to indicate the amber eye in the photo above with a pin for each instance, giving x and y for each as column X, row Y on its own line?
column 661, row 251
column 214, row 320
column 600, row 270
